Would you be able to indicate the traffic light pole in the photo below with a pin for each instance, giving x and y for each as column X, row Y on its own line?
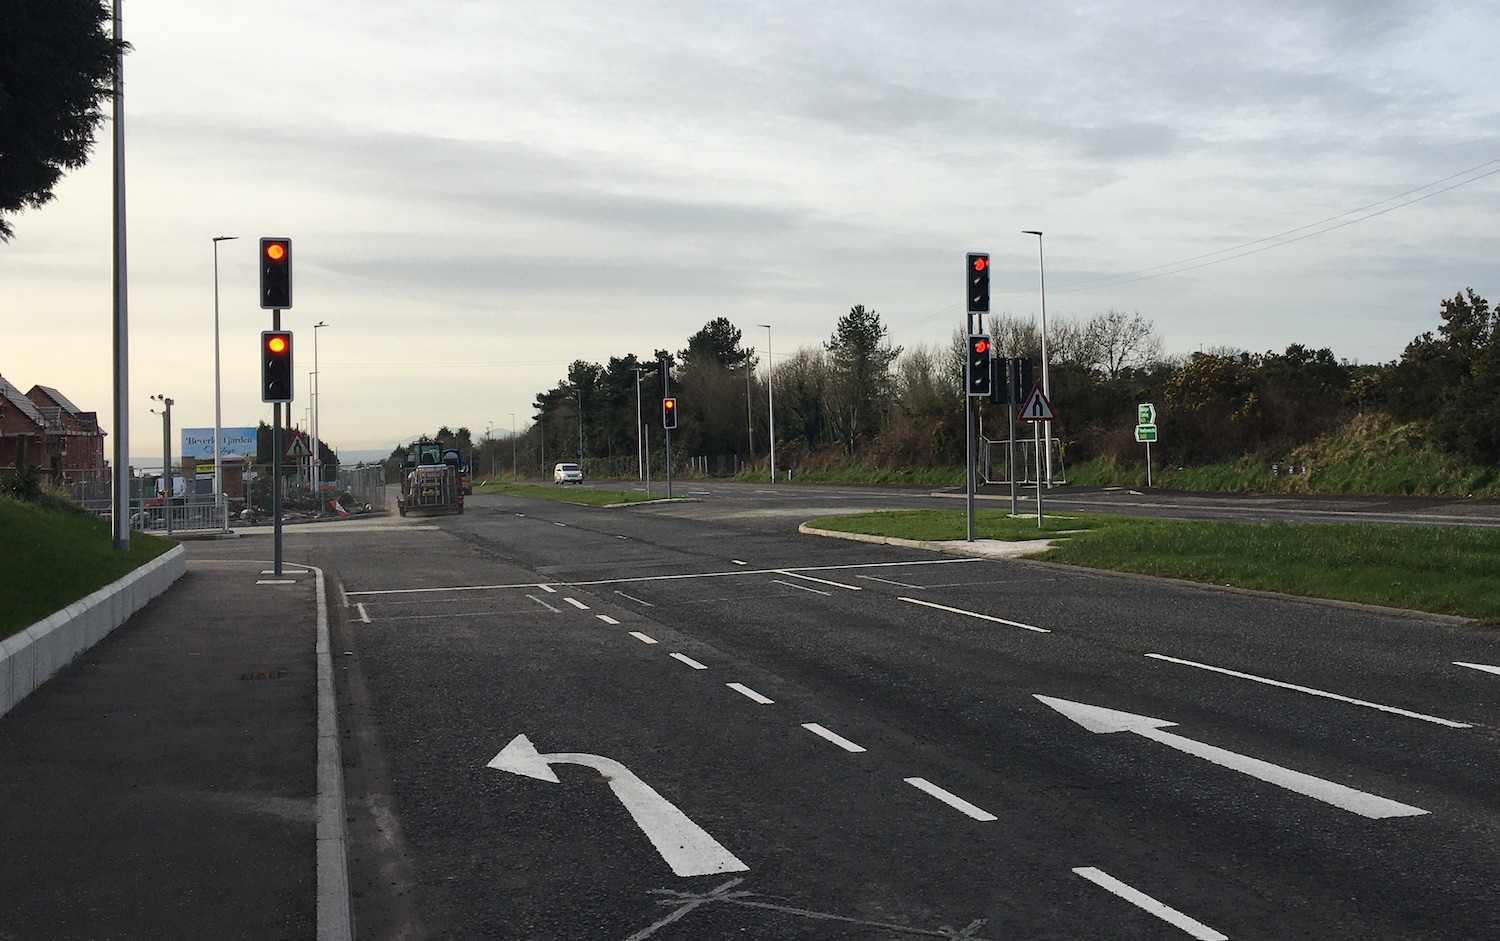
column 669, row 462
column 276, row 467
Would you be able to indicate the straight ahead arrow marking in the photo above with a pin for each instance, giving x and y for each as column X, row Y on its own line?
column 685, row 846
column 1099, row 719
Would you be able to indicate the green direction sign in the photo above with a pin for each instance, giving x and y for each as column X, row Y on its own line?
column 1145, row 414
column 1145, row 432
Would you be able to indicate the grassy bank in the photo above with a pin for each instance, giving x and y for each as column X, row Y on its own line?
column 56, row 554
column 1440, row 570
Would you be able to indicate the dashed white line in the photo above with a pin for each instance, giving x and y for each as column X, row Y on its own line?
column 548, row 589
column 738, row 562
column 642, row 637
column 644, row 604
column 1312, row 692
column 833, row 737
column 976, row 614
column 816, row 591
column 364, row 615
column 1145, row 902
column 556, row 523
column 577, row 604
column 684, row 658
column 545, row 604
column 947, row 797
column 749, row 693
column 1478, row 666
column 606, row 619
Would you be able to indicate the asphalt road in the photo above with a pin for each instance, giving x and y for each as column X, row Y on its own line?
column 688, row 721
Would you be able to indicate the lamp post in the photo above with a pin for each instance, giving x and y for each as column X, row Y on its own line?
column 489, row 436
column 770, row 401
column 640, row 450
column 317, row 457
column 513, row 447
column 219, row 496
column 1046, row 383
column 166, row 459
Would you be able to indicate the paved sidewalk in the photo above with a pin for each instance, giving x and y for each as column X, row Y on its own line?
column 164, row 785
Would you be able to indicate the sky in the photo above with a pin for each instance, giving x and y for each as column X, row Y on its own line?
column 480, row 193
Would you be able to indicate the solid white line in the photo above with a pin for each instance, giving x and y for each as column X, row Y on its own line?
column 363, row 614
column 645, row 604
column 975, row 614
column 820, row 581
column 744, row 690
column 957, row 803
column 275, row 581
column 642, row 637
column 888, row 581
column 577, row 604
column 1477, row 666
column 606, row 619
column 816, row 591
column 1314, row 692
column 545, row 604
column 833, row 737
column 684, row 658
column 335, row 917
column 1145, row 902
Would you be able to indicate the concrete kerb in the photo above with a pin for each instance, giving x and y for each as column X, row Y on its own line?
column 979, row 548
column 30, row 658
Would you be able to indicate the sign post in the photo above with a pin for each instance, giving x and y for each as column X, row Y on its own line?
column 1145, row 431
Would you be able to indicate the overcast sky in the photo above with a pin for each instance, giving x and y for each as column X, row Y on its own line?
column 481, row 192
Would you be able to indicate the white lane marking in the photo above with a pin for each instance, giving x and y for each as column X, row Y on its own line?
column 363, row 614
column 644, row 604
column 1477, row 666
column 666, row 578
column 555, row 523
column 275, row 581
column 285, row 571
column 947, row 797
column 738, row 562
column 820, row 581
column 606, row 619
column 577, row 604
column 343, row 597
column 872, row 578
column 816, row 591
column 684, row 658
column 976, row 614
column 642, row 637
column 1313, row 692
column 545, row 604
column 684, row 845
column 1146, row 903
column 548, row 589
column 1099, row 719
column 833, row 737
column 746, row 691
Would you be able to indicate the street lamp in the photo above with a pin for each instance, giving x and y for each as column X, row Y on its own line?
column 219, row 394
column 317, row 457
column 489, row 434
column 640, row 451
column 1046, row 384
column 512, row 447
column 770, row 400
column 166, row 458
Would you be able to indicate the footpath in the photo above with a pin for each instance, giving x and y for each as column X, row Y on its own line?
column 166, row 784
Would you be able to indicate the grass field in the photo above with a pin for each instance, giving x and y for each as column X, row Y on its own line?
column 54, row 555
column 1440, row 570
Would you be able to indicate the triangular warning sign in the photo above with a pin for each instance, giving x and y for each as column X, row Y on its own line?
column 298, row 447
column 1037, row 408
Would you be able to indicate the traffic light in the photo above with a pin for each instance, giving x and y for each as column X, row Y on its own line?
column 276, row 366
column 977, row 369
column 978, row 279
column 669, row 413
column 275, row 274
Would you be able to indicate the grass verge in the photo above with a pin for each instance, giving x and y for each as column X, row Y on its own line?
column 1439, row 570
column 587, row 495
column 56, row 554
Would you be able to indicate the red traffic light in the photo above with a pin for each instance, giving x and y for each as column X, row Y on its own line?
column 275, row 250
column 276, row 343
column 981, row 262
column 981, row 344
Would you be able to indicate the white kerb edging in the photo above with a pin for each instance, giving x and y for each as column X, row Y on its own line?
column 32, row 657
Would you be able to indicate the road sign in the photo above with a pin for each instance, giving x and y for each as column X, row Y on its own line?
column 684, row 845
column 1145, row 433
column 1145, row 414
column 299, row 447
column 1037, row 408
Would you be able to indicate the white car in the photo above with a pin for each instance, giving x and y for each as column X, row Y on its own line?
column 567, row 474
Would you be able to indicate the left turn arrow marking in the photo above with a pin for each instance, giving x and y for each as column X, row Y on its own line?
column 684, row 845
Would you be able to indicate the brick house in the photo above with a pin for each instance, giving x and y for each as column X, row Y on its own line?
column 44, row 429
